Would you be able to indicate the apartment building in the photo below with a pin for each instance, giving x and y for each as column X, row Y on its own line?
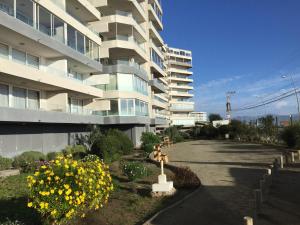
column 179, row 63
column 133, row 58
column 69, row 64
column 49, row 73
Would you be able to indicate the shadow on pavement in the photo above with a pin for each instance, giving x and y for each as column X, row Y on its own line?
column 246, row 164
column 216, row 205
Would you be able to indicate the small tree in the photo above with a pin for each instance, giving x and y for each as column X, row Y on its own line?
column 89, row 139
column 212, row 117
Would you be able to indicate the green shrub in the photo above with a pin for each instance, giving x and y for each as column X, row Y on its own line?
column 150, row 138
column 77, row 151
column 10, row 222
column 135, row 170
column 27, row 161
column 291, row 136
column 148, row 148
column 174, row 134
column 107, row 148
column 52, row 155
column 125, row 144
column 5, row 163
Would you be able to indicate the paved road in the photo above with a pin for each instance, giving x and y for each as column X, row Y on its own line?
column 228, row 171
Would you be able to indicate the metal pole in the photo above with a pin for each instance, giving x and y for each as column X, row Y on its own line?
column 296, row 94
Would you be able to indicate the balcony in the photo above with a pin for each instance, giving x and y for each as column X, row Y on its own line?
column 180, row 86
column 47, row 37
column 157, row 86
column 181, row 94
column 120, row 45
column 182, row 79
column 155, row 16
column 51, row 78
column 182, row 107
column 184, row 121
column 155, row 34
column 181, row 63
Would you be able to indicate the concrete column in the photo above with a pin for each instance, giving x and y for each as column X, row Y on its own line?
column 248, row 220
column 258, row 199
column 281, row 161
column 292, row 157
column 299, row 154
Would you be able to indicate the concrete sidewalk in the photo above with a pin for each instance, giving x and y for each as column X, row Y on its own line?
column 229, row 172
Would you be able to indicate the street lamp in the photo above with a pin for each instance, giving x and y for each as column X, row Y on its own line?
column 295, row 90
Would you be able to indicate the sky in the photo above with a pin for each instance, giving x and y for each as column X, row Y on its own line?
column 244, row 46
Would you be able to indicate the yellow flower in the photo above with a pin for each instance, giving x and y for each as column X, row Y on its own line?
column 41, row 182
column 83, row 215
column 52, row 191
column 46, row 205
column 42, row 205
column 66, row 186
column 60, row 192
column 56, row 178
column 36, row 173
column 43, row 167
column 29, row 204
column 53, row 212
column 68, row 192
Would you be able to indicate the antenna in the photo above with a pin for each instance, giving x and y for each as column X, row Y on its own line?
column 228, row 104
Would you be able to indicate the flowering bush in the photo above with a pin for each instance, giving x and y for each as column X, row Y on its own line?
column 135, row 170
column 66, row 188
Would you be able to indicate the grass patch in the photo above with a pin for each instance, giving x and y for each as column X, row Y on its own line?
column 13, row 201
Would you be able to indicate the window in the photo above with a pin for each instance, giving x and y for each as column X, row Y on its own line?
column 19, row 97
column 114, row 110
column 4, row 50
column 80, row 42
column 7, row 6
column 44, row 23
column 127, row 107
column 76, row 106
column 58, row 29
column 25, row 11
column 4, row 93
column 125, row 82
column 33, row 99
column 71, row 37
column 19, row 56
column 33, row 61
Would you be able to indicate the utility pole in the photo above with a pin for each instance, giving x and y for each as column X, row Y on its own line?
column 295, row 90
column 228, row 104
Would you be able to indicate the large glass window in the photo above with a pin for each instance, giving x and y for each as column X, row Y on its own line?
column 25, row 11
column 125, row 82
column 19, row 97
column 33, row 99
column 114, row 110
column 71, row 37
column 7, row 6
column 76, row 106
column 4, row 92
column 127, row 107
column 58, row 29
column 33, row 61
column 95, row 52
column 19, row 56
column 88, row 48
column 80, row 42
column 44, row 24
column 3, row 50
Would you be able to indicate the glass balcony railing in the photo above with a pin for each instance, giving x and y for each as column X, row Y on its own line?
column 129, row 39
column 49, row 24
column 129, row 14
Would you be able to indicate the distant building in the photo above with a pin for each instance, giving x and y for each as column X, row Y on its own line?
column 200, row 117
column 218, row 123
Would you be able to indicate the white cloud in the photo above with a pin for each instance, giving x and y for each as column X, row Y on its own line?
column 281, row 104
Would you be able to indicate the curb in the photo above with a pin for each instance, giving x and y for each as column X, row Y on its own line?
column 148, row 222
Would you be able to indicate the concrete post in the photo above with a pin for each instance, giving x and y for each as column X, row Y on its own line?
column 258, row 199
column 292, row 157
column 299, row 154
column 281, row 161
column 248, row 220
column 269, row 171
